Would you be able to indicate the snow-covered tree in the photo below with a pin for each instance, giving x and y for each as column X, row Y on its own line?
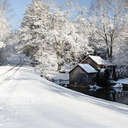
column 48, row 30
column 4, row 29
column 35, row 32
column 108, row 18
column 4, row 25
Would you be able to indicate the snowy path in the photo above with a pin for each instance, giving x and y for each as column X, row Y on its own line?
column 28, row 101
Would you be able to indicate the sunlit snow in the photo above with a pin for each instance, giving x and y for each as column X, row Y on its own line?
column 29, row 101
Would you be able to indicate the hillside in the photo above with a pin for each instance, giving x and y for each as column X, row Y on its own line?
column 29, row 101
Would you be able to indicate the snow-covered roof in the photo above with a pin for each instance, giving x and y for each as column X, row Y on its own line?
column 99, row 60
column 88, row 68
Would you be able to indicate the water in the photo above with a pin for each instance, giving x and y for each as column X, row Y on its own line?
column 112, row 94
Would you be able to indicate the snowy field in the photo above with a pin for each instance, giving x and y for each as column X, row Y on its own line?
column 28, row 101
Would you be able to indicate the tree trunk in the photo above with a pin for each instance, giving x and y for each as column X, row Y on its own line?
column 111, row 48
column 59, row 67
column 107, row 50
column 111, row 52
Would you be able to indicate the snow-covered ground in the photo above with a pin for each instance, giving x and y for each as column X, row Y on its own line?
column 28, row 101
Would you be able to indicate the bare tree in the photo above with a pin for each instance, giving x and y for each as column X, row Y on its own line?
column 108, row 17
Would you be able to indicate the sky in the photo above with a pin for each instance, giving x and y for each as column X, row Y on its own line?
column 19, row 6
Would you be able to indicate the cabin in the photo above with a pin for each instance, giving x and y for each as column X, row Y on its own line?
column 100, row 64
column 82, row 75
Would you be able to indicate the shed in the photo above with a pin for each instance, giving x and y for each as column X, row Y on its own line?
column 82, row 75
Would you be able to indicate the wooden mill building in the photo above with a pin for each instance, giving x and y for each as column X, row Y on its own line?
column 82, row 75
column 93, row 69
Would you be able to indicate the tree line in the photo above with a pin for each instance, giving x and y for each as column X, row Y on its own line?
column 60, row 36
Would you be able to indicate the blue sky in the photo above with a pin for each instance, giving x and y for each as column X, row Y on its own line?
column 19, row 6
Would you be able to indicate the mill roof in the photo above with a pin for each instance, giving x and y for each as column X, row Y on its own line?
column 88, row 68
column 100, row 61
